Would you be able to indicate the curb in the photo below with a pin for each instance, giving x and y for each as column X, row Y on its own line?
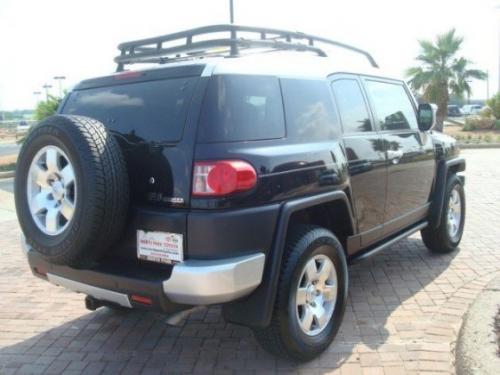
column 7, row 174
column 476, row 350
column 480, row 145
column 454, row 122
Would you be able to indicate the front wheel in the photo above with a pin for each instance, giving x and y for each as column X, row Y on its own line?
column 446, row 237
column 311, row 296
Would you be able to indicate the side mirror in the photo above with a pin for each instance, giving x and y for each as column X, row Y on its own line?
column 426, row 116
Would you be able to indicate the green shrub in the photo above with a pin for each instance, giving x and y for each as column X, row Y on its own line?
column 478, row 123
column 488, row 138
column 486, row 112
column 496, row 125
column 494, row 104
column 47, row 107
column 468, row 126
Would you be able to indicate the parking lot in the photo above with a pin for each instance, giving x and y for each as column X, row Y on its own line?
column 404, row 311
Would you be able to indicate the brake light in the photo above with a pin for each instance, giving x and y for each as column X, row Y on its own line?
column 217, row 178
column 141, row 299
column 127, row 75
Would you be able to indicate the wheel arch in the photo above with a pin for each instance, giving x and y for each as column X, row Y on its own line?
column 256, row 309
column 444, row 169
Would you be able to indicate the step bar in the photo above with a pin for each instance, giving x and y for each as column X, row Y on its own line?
column 388, row 243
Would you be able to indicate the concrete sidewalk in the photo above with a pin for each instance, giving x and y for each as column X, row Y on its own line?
column 477, row 347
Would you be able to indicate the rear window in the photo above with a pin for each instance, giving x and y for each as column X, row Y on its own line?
column 148, row 110
column 241, row 108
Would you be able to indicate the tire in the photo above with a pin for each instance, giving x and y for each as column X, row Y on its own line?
column 97, row 195
column 442, row 240
column 284, row 336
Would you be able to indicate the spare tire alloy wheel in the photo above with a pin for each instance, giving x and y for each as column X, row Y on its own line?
column 71, row 190
column 52, row 190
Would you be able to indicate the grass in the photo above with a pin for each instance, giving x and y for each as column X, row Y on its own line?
column 8, row 163
column 473, row 136
column 7, row 167
column 497, row 331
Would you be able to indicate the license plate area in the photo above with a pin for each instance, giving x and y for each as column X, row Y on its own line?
column 160, row 247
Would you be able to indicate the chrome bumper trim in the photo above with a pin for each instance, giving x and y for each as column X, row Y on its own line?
column 97, row 293
column 206, row 282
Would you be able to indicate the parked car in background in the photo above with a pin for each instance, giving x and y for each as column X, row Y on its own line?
column 454, row 111
column 23, row 126
column 471, row 109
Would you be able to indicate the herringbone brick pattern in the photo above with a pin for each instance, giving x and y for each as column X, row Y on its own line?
column 405, row 309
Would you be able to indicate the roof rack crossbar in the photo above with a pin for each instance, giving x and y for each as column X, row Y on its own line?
column 153, row 49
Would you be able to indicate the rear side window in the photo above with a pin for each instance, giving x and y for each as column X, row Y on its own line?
column 392, row 105
column 352, row 106
column 310, row 112
column 147, row 110
column 241, row 108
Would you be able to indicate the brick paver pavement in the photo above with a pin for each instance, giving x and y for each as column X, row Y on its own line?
column 404, row 312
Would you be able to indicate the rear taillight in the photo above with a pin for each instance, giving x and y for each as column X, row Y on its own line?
column 217, row 178
column 127, row 75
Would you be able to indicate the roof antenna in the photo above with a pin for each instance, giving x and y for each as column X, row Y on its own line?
column 234, row 47
column 231, row 12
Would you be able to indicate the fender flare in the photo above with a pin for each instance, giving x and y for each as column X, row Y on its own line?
column 256, row 309
column 437, row 202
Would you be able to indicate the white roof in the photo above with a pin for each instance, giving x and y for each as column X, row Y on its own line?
column 293, row 65
column 286, row 64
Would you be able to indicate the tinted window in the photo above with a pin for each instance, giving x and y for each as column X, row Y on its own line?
column 241, row 108
column 352, row 106
column 310, row 114
column 148, row 110
column 392, row 105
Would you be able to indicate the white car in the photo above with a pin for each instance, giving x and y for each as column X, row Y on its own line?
column 23, row 126
column 471, row 109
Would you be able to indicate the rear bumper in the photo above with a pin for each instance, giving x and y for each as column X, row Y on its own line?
column 173, row 288
column 205, row 282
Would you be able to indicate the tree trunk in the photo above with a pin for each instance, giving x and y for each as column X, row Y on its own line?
column 442, row 112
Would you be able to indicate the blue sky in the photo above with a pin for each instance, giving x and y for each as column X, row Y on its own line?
column 78, row 39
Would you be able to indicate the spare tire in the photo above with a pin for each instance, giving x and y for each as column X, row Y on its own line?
column 71, row 190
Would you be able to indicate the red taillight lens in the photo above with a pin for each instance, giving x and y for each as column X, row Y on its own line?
column 216, row 178
column 141, row 299
column 127, row 75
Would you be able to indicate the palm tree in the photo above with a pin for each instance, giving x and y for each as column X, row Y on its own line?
column 441, row 72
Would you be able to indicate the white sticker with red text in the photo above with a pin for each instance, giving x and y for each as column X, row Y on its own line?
column 161, row 247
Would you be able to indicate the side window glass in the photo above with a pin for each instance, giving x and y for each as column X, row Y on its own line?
column 392, row 105
column 309, row 110
column 352, row 106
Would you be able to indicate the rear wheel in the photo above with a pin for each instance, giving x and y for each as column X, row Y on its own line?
column 311, row 296
column 446, row 237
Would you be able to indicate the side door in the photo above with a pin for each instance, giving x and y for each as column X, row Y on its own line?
column 366, row 159
column 409, row 153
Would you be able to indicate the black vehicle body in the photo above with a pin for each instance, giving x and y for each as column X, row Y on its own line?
column 369, row 188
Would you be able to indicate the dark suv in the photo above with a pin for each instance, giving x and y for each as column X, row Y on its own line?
column 246, row 170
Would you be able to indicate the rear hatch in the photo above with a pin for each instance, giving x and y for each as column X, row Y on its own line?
column 153, row 115
column 148, row 113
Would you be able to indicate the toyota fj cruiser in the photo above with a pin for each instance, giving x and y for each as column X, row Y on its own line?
column 246, row 168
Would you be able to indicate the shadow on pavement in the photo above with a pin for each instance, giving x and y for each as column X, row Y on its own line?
column 380, row 287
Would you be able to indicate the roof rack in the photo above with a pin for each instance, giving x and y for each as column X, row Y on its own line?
column 181, row 45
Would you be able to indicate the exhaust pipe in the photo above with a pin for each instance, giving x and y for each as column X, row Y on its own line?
column 92, row 304
column 177, row 318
